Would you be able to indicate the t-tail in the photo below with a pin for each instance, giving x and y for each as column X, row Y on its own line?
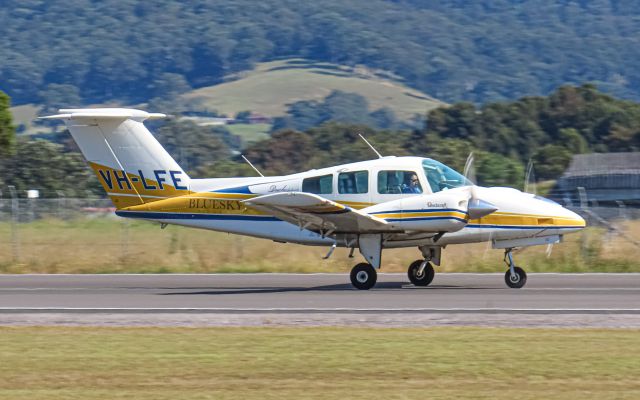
column 131, row 165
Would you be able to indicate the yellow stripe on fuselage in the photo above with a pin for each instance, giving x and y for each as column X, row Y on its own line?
column 406, row 215
column 514, row 219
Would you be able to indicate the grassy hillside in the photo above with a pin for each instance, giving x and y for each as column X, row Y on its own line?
column 272, row 85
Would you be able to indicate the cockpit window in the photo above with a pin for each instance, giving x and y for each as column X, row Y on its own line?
column 441, row 177
column 546, row 200
column 396, row 182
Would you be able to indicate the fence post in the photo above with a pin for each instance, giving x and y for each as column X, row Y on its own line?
column 622, row 210
column 15, row 214
column 584, row 203
column 61, row 204
column 124, row 241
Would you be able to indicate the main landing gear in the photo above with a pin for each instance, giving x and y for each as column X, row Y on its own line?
column 363, row 276
column 420, row 272
column 515, row 277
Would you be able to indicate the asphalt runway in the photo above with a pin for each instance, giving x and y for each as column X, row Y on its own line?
column 250, row 299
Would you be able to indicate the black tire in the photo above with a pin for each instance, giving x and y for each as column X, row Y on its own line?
column 363, row 276
column 518, row 281
column 426, row 277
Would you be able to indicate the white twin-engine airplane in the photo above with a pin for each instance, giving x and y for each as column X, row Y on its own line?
column 388, row 202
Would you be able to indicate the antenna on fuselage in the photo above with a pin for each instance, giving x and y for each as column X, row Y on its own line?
column 371, row 146
column 251, row 165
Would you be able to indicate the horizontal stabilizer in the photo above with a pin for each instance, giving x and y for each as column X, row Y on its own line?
column 105, row 113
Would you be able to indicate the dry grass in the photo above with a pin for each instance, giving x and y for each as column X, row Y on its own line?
column 317, row 363
column 108, row 245
column 272, row 85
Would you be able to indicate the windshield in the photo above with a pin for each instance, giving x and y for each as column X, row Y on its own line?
column 441, row 177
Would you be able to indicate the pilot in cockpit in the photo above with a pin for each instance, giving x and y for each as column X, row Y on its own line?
column 412, row 186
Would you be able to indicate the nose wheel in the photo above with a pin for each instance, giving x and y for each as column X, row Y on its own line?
column 515, row 277
column 421, row 273
column 363, row 276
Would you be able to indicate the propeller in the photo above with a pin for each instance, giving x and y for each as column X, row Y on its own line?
column 476, row 207
column 469, row 168
column 531, row 187
column 530, row 179
column 549, row 249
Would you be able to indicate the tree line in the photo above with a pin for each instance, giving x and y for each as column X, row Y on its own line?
column 504, row 136
column 129, row 51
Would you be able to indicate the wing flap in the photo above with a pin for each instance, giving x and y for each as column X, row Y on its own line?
column 314, row 212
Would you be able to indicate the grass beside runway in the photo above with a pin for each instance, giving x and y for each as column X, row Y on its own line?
column 109, row 245
column 321, row 363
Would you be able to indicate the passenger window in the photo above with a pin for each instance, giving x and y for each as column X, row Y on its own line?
column 353, row 182
column 318, row 184
column 397, row 182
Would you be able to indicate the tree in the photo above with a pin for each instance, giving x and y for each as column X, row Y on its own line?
column 193, row 146
column 551, row 160
column 56, row 96
column 338, row 106
column 243, row 116
column 285, row 153
column 384, row 118
column 7, row 130
column 497, row 170
column 41, row 165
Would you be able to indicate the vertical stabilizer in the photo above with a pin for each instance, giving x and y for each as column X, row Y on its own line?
column 130, row 163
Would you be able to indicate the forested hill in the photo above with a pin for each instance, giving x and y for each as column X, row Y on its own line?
column 130, row 51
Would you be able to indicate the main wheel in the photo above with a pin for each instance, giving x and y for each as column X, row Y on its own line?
column 518, row 280
column 363, row 276
column 423, row 279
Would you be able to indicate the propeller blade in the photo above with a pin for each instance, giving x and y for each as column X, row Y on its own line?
column 549, row 249
column 469, row 169
column 478, row 208
column 530, row 179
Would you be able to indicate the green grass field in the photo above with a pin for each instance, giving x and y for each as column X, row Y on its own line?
column 271, row 86
column 110, row 245
column 317, row 363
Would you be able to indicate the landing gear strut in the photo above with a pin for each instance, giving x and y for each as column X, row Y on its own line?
column 515, row 277
column 363, row 276
column 421, row 272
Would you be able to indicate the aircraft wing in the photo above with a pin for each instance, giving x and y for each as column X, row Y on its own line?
column 313, row 212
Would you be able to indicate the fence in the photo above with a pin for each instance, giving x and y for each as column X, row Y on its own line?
column 84, row 235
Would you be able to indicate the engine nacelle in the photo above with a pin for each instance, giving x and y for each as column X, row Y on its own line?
column 438, row 212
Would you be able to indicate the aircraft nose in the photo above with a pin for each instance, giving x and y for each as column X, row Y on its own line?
column 574, row 219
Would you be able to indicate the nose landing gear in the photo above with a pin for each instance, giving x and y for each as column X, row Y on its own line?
column 515, row 277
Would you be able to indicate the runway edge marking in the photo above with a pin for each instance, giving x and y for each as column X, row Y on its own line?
column 106, row 310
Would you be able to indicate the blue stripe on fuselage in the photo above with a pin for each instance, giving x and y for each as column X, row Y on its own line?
column 192, row 216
